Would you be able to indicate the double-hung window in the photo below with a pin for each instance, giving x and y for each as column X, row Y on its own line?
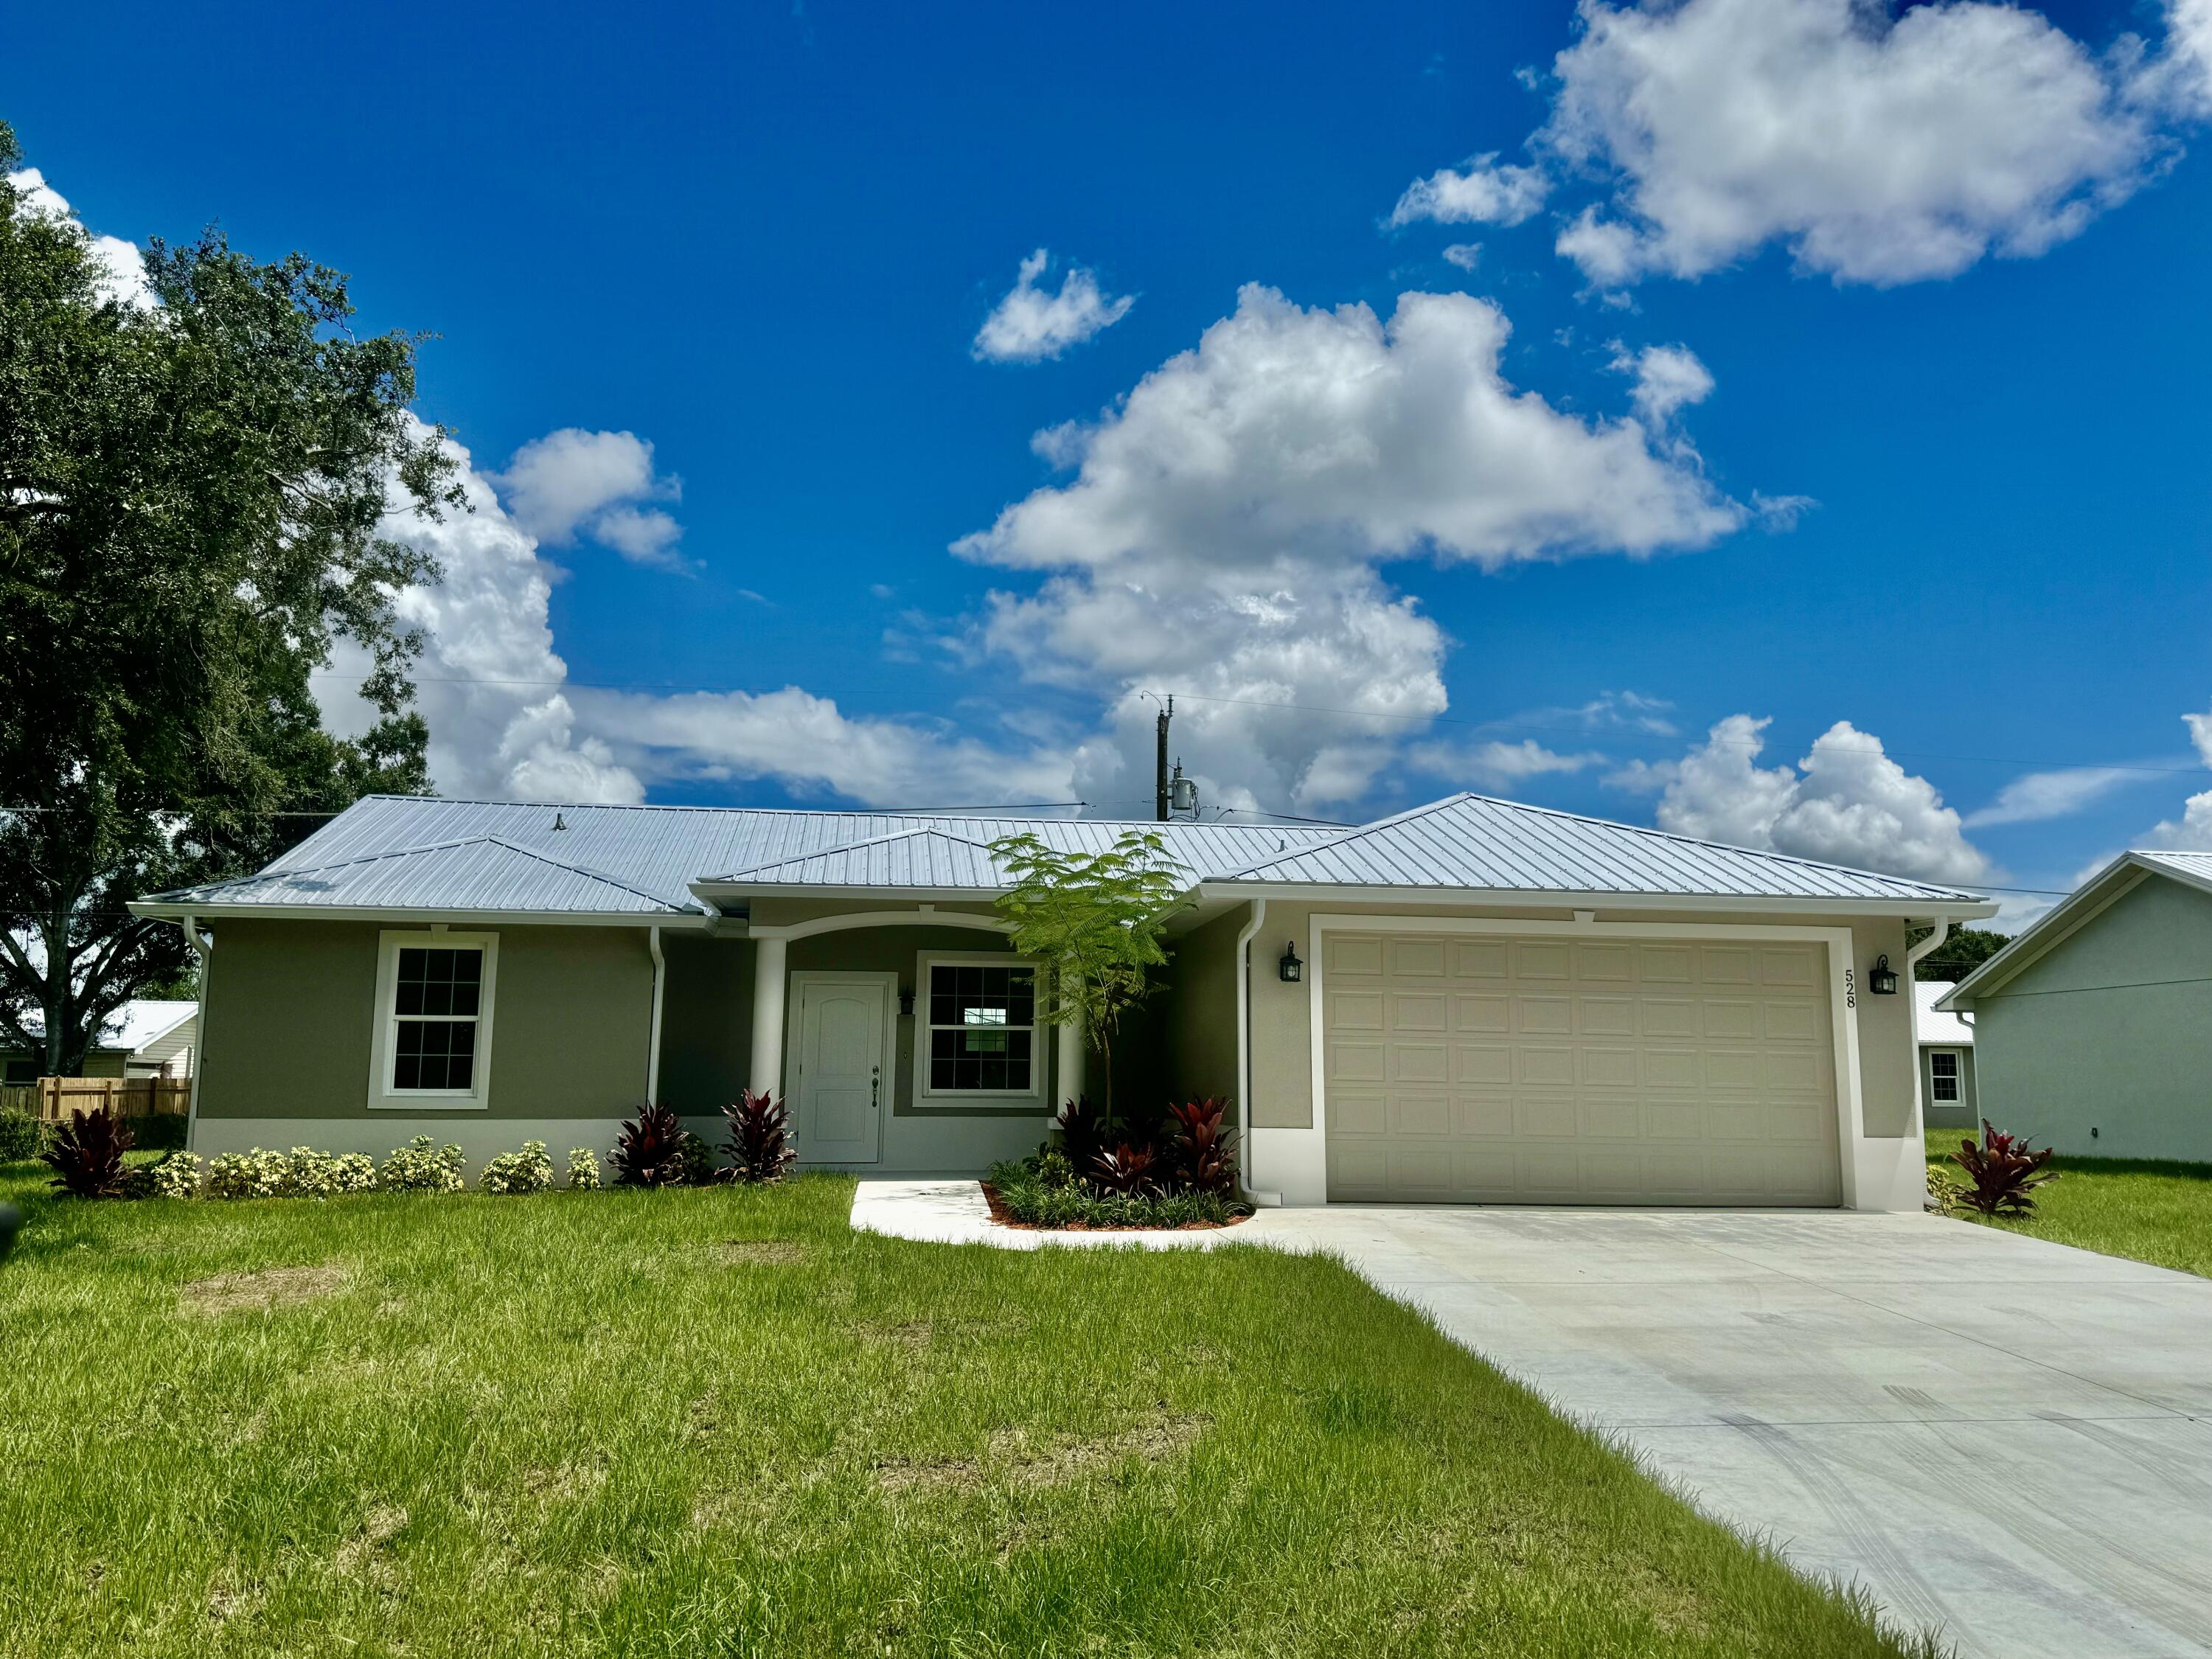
column 978, row 1035
column 433, row 1042
column 1943, row 1074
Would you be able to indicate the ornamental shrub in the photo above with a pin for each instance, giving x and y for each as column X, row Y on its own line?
column 423, row 1166
column 22, row 1136
column 86, row 1154
column 176, row 1175
column 256, row 1173
column 654, row 1150
column 526, row 1171
column 583, row 1169
column 325, row 1175
column 759, row 1145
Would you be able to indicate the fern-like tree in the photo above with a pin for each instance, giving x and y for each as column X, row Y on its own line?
column 1094, row 922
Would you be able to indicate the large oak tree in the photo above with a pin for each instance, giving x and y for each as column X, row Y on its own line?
column 190, row 493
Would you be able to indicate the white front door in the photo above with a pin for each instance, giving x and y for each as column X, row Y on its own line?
column 844, row 1081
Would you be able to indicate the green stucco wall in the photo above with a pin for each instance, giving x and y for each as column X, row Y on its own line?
column 291, row 1006
column 2109, row 1031
column 707, row 1024
column 1197, row 1012
column 1960, row 1113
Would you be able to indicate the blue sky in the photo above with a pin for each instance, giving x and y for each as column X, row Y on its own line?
column 1946, row 484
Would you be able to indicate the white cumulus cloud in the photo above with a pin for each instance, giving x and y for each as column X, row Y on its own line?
column 572, row 482
column 2034, row 796
column 1877, row 149
column 124, row 268
column 1031, row 326
column 1222, row 532
column 1845, row 802
column 2192, row 831
column 1497, row 764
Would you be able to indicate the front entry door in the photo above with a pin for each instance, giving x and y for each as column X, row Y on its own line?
column 844, row 1081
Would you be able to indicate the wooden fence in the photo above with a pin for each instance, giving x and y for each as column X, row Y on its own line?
column 54, row 1098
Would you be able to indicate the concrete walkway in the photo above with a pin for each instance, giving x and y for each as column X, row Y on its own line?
column 2004, row 1439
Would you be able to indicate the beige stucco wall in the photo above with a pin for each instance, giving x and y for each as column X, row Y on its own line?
column 1282, row 1043
column 291, row 1006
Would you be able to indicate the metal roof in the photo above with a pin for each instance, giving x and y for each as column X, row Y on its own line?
column 1936, row 1025
column 912, row 858
column 2190, row 866
column 481, row 872
column 1477, row 842
column 413, row 853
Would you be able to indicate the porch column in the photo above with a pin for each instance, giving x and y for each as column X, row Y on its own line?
column 766, row 1074
column 1069, row 1065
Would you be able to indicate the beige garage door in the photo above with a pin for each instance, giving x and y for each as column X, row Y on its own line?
column 1547, row 1070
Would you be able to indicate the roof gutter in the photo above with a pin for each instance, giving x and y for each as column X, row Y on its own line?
column 1912, row 959
column 203, row 948
column 1244, row 937
column 1965, row 908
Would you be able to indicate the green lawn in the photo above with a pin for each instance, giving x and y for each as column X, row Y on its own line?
column 719, row 1422
column 2154, row 1211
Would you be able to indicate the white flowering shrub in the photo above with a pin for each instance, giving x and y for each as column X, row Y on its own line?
column 326, row 1174
column 176, row 1175
column 526, row 1171
column 257, row 1174
column 422, row 1166
column 583, row 1169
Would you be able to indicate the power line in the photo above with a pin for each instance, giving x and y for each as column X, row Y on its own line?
column 1499, row 727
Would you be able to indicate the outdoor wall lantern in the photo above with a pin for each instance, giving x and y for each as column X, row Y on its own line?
column 1290, row 967
column 1880, row 980
column 906, row 999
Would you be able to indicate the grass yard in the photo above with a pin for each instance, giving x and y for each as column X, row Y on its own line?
column 2154, row 1211
column 719, row 1422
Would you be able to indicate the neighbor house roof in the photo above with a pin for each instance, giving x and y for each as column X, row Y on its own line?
column 2077, row 910
column 1944, row 1029
column 138, row 1022
column 406, row 852
column 1476, row 843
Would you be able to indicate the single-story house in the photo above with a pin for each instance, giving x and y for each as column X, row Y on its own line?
column 1475, row 1000
column 1947, row 1061
column 2093, row 1028
column 146, row 1037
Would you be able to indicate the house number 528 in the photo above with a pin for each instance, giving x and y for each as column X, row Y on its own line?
column 1851, row 987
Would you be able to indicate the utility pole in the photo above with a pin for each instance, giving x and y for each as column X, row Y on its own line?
column 1160, row 768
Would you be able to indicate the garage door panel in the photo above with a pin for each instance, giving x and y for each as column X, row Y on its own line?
column 1606, row 1016
column 1419, row 1062
column 1544, row 1016
column 1542, row 1065
column 1419, row 1011
column 1488, row 1064
column 1498, row 1069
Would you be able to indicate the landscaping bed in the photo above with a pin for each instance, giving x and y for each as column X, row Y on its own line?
column 717, row 1421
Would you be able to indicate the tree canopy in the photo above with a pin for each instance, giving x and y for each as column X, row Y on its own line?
column 190, row 488
column 1094, row 920
column 1963, row 950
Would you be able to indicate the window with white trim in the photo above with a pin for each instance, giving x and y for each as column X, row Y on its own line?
column 978, row 1027
column 433, row 1019
column 1943, row 1074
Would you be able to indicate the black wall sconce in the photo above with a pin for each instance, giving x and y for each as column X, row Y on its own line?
column 1290, row 967
column 1881, row 979
column 906, row 999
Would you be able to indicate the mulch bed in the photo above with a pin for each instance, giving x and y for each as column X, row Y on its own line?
column 999, row 1214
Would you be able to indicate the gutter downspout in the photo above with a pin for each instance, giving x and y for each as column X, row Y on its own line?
column 1926, row 947
column 660, row 989
column 204, row 951
column 1245, row 935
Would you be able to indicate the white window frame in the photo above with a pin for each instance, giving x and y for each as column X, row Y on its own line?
column 924, row 965
column 1957, row 1077
column 383, row 1047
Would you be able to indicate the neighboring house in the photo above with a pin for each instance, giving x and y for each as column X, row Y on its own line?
column 1488, row 1002
column 2093, row 1028
column 145, row 1037
column 1947, row 1061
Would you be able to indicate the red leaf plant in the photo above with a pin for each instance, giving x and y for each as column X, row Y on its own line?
column 2000, row 1172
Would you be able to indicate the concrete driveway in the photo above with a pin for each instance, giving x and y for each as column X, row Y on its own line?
column 2008, row 1439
